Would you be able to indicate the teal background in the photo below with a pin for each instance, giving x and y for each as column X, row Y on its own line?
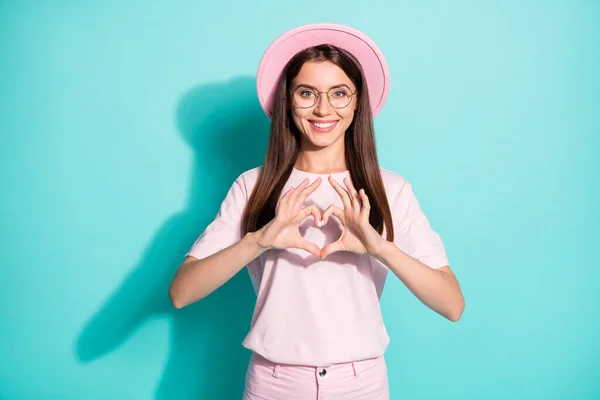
column 123, row 126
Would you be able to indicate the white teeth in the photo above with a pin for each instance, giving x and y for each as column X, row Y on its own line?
column 323, row 126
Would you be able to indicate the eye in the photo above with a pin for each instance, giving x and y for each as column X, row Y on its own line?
column 306, row 93
column 340, row 93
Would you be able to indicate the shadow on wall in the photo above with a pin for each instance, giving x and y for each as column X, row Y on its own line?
column 228, row 132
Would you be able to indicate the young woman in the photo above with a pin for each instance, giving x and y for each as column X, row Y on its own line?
column 319, row 225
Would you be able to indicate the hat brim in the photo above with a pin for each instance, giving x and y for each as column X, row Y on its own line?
column 293, row 41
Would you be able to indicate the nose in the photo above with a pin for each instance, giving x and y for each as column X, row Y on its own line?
column 322, row 107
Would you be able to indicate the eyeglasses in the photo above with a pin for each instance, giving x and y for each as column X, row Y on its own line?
column 338, row 97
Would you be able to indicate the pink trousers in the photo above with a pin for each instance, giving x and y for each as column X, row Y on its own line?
column 358, row 380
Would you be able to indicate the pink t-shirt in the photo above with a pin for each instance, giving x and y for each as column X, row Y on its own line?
column 320, row 312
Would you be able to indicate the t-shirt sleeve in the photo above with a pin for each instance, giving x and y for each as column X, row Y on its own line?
column 226, row 229
column 412, row 231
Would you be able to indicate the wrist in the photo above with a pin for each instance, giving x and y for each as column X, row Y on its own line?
column 383, row 249
column 252, row 240
column 263, row 237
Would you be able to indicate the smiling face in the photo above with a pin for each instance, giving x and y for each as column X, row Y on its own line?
column 322, row 125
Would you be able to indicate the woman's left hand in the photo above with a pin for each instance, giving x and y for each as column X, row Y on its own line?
column 358, row 236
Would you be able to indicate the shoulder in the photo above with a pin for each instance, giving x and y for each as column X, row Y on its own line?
column 393, row 182
column 398, row 189
column 247, row 179
column 250, row 175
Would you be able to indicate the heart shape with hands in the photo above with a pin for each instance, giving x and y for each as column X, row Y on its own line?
column 358, row 236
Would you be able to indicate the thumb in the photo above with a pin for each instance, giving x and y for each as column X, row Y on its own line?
column 310, row 247
column 331, row 248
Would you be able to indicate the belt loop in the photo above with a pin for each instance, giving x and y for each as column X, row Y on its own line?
column 276, row 371
column 353, row 368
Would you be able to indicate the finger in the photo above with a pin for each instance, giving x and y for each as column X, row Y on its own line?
column 331, row 248
column 342, row 192
column 297, row 193
column 312, row 210
column 356, row 205
column 285, row 199
column 333, row 210
column 298, row 189
column 366, row 206
column 310, row 247
column 307, row 191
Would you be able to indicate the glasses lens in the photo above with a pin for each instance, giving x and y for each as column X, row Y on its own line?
column 340, row 97
column 304, row 97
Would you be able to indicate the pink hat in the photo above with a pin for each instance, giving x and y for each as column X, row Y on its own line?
column 277, row 55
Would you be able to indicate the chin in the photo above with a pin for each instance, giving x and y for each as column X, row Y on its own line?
column 320, row 137
column 319, row 141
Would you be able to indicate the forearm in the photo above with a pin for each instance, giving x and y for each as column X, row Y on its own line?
column 436, row 289
column 197, row 279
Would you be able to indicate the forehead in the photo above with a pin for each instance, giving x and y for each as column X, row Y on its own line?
column 322, row 75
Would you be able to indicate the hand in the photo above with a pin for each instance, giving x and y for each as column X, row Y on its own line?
column 283, row 231
column 358, row 236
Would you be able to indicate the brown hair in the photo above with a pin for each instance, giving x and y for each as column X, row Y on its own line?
column 284, row 146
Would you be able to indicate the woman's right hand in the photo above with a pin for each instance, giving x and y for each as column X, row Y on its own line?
column 283, row 231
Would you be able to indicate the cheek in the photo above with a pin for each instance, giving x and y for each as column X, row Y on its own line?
column 348, row 117
column 348, row 113
column 299, row 118
column 297, row 121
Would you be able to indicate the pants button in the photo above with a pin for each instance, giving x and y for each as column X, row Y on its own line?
column 323, row 372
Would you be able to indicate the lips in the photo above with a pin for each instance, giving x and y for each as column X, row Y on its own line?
column 323, row 126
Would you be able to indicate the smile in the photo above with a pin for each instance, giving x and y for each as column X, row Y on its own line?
column 323, row 126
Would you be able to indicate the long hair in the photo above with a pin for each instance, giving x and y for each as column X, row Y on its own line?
column 284, row 146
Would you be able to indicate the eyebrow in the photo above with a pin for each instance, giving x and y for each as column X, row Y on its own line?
column 333, row 87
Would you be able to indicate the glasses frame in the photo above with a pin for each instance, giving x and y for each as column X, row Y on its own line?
column 319, row 97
